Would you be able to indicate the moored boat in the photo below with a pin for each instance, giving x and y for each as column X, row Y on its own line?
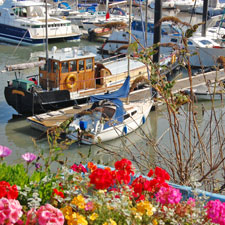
column 71, row 76
column 24, row 22
column 109, row 118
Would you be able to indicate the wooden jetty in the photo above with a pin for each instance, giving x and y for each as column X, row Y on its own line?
column 200, row 79
column 53, row 119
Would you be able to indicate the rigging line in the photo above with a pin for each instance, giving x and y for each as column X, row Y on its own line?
column 19, row 43
column 192, row 12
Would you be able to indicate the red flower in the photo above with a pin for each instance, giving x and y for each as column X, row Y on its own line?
column 78, row 168
column 59, row 193
column 8, row 191
column 161, row 173
column 150, row 173
column 121, row 177
column 125, row 165
column 101, row 178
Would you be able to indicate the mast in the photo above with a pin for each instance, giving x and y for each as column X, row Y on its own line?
column 204, row 17
column 157, row 28
column 130, row 12
column 46, row 41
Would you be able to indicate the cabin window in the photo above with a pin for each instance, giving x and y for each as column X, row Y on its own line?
column 190, row 43
column 55, row 67
column 65, row 67
column 88, row 64
column 43, row 67
column 73, row 65
column 81, row 65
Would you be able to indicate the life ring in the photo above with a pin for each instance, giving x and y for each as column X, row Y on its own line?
column 71, row 81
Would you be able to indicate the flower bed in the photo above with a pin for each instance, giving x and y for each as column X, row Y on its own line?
column 78, row 195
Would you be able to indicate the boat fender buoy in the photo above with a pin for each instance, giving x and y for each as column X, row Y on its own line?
column 173, row 59
column 83, row 125
column 71, row 81
column 125, row 129
column 143, row 120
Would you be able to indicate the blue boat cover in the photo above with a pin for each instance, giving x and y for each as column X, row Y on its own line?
column 114, row 98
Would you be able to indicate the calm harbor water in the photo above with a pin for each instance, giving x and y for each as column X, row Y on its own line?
column 18, row 135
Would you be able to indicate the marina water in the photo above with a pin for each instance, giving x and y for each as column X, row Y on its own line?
column 18, row 135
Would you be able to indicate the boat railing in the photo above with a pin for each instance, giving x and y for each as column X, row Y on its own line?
column 116, row 57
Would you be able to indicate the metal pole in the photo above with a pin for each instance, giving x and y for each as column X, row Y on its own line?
column 204, row 17
column 46, row 41
column 157, row 28
column 130, row 13
column 146, row 23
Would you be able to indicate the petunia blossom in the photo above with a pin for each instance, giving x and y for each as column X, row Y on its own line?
column 4, row 151
column 29, row 157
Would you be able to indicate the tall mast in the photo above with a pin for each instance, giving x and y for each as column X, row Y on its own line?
column 157, row 28
column 204, row 17
column 46, row 41
column 130, row 12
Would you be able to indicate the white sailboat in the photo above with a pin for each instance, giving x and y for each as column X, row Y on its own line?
column 109, row 118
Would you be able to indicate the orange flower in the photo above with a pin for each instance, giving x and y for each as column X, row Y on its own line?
column 91, row 166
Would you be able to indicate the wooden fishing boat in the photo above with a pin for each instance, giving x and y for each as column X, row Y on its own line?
column 71, row 76
column 109, row 118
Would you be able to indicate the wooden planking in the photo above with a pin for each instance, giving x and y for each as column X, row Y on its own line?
column 200, row 79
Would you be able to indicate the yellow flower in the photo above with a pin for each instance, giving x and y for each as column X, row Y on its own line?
column 93, row 216
column 77, row 219
column 145, row 207
column 154, row 222
column 110, row 222
column 67, row 212
column 79, row 201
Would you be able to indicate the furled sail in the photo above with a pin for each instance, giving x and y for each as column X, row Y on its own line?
column 24, row 66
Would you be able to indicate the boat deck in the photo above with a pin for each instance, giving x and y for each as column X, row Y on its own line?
column 52, row 119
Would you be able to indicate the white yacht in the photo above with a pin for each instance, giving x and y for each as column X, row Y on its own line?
column 187, row 5
column 166, row 4
column 24, row 22
column 119, row 39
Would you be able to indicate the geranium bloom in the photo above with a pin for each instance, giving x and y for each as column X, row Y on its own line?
column 31, row 217
column 101, row 178
column 29, row 157
column 125, row 165
column 59, row 193
column 78, row 168
column 10, row 211
column 168, row 195
column 4, row 151
column 216, row 211
column 48, row 214
column 8, row 191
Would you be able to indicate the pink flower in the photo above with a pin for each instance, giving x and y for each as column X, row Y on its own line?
column 29, row 157
column 89, row 206
column 78, row 168
column 31, row 217
column 4, row 151
column 48, row 215
column 168, row 195
column 191, row 202
column 10, row 211
column 216, row 212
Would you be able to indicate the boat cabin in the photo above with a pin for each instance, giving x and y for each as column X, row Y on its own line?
column 68, row 69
